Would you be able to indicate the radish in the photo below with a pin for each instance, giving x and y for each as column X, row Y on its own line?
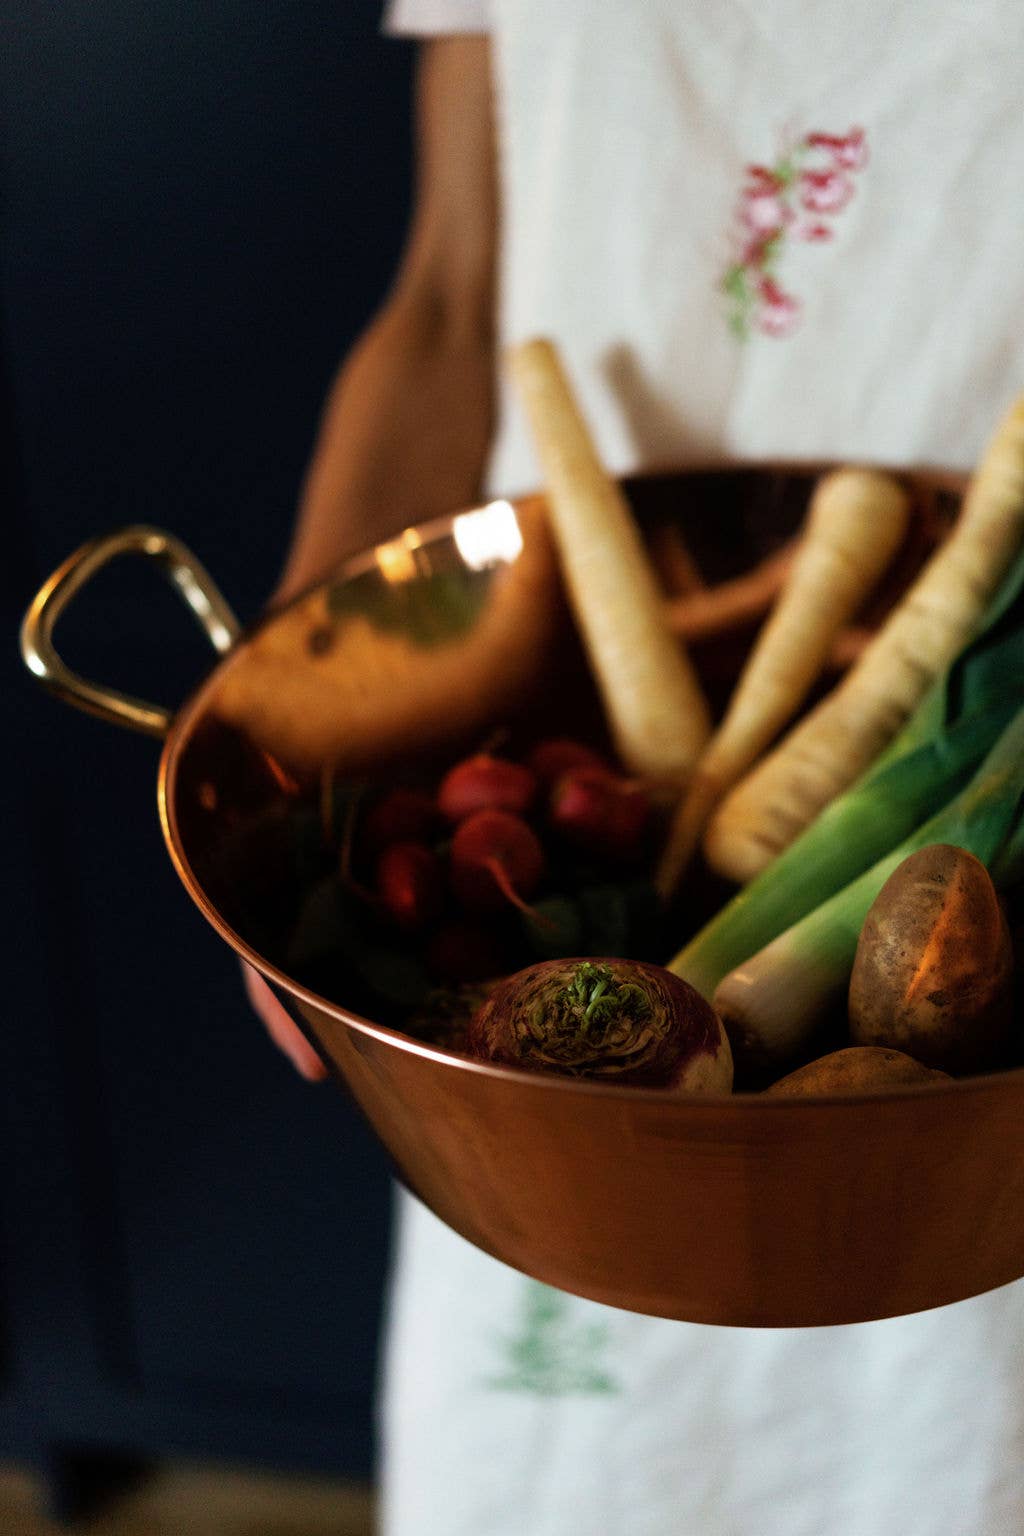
column 485, row 783
column 461, row 951
column 601, row 813
column 495, row 859
column 400, row 816
column 410, row 884
column 549, row 760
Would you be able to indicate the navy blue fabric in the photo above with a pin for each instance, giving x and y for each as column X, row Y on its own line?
column 202, row 204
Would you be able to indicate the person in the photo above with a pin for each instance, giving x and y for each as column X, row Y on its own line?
column 768, row 232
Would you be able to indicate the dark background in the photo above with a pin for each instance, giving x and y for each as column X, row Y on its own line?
column 202, row 203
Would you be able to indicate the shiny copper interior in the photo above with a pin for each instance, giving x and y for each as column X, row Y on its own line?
column 743, row 1210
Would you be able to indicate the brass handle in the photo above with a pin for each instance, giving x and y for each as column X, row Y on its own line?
column 182, row 568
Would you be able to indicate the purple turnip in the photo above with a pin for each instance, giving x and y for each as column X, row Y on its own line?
column 621, row 1021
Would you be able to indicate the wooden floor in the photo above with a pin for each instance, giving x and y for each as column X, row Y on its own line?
column 201, row 1502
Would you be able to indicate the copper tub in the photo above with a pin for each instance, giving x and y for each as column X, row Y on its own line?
column 749, row 1210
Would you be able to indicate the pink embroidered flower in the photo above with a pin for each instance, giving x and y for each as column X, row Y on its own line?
column 814, row 176
column 852, row 152
column 779, row 312
column 763, row 179
column 849, row 151
column 813, row 232
column 825, row 191
column 764, row 212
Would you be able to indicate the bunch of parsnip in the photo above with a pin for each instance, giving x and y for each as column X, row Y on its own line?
column 921, row 744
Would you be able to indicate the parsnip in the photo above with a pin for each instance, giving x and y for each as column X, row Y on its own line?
column 856, row 522
column 728, row 605
column 832, row 745
column 655, row 707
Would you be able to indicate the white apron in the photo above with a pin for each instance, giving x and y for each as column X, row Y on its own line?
column 758, row 229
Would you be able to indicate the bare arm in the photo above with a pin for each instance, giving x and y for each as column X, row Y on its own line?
column 407, row 423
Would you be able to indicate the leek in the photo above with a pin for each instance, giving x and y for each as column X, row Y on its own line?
column 928, row 762
column 774, row 1000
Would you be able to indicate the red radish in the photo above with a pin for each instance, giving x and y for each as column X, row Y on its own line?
column 399, row 816
column 464, row 951
column 485, row 783
column 599, row 812
column 410, row 884
column 549, row 760
column 495, row 858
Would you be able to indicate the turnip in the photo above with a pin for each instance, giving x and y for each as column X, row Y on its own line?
column 623, row 1021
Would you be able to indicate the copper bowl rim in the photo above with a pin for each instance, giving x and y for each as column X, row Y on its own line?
column 193, row 709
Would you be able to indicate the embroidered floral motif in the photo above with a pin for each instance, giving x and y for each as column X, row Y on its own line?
column 793, row 199
column 552, row 1355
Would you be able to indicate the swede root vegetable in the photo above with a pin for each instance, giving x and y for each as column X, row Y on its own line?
column 834, row 743
column 855, row 524
column 655, row 707
column 619, row 1021
column 857, row 1069
column 933, row 973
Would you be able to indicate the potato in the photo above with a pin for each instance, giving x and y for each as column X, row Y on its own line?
column 933, row 974
column 857, row 1069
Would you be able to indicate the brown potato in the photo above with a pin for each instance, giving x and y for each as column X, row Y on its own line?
column 857, row 1069
column 933, row 975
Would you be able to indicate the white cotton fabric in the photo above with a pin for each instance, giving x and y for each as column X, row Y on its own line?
column 636, row 1426
column 625, row 132
column 426, row 18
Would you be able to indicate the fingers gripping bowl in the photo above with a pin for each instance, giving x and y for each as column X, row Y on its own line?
column 747, row 1209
